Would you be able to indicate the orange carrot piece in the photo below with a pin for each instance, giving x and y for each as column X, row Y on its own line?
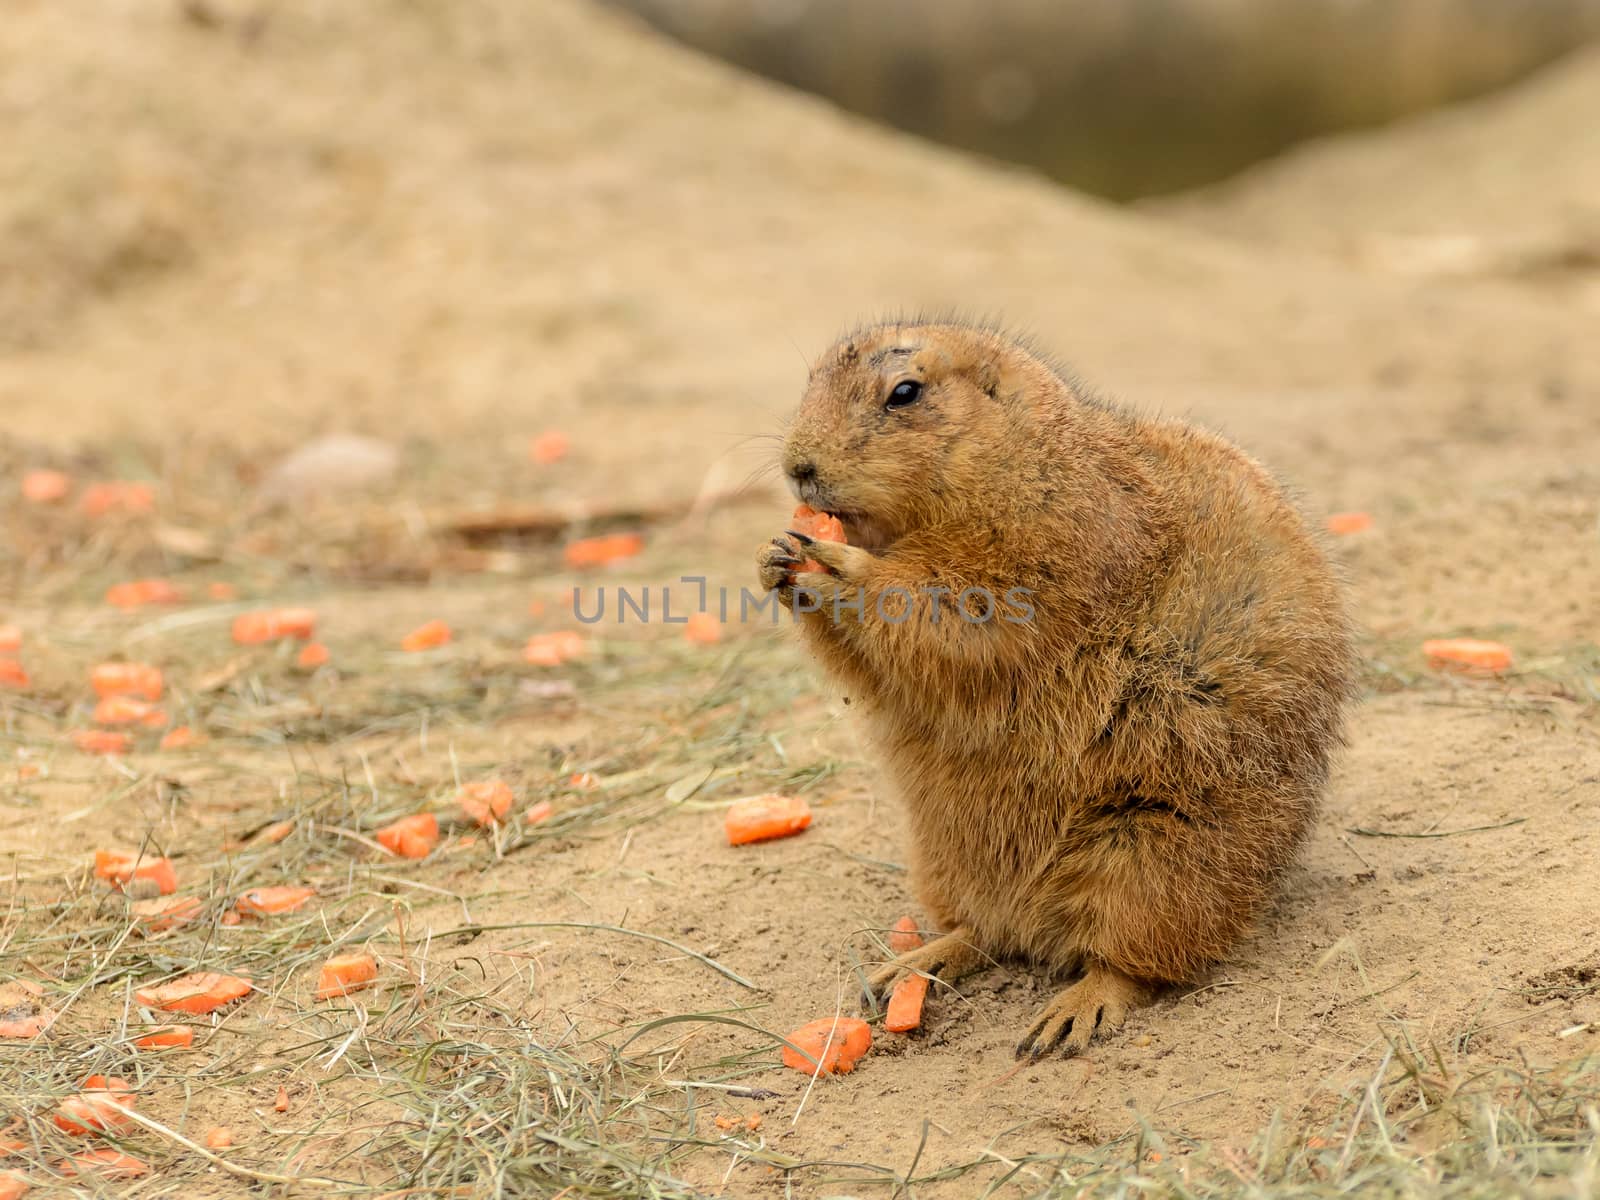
column 487, row 801
column 281, row 1104
column 200, row 993
column 107, row 1163
column 23, row 1024
column 600, row 551
column 269, row 901
column 1467, row 654
column 904, row 936
column 100, row 741
column 10, row 639
column 127, row 678
column 410, row 837
column 905, row 1004
column 13, row 1186
column 549, row 447
column 169, row 912
column 103, row 499
column 1346, row 523
column 703, row 629
column 539, row 813
column 218, row 1137
column 230, row 917
column 312, row 655
column 836, row 1043
column 274, row 624
column 166, row 1037
column 426, row 637
column 44, row 486
column 139, row 593
column 761, row 818
column 101, row 1105
column 180, row 738
column 553, row 649
column 12, row 675
column 127, row 710
column 345, row 973
column 824, row 527
column 272, row 834
column 119, row 867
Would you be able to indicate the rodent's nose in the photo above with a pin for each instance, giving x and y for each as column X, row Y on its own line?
column 802, row 471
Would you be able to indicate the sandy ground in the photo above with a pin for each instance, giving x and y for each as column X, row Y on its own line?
column 455, row 231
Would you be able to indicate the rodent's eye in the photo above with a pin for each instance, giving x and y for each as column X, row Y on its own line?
column 903, row 393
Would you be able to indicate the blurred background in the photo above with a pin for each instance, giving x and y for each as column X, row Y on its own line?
column 1128, row 98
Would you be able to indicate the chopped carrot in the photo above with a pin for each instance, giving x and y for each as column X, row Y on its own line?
column 549, row 447
column 312, row 655
column 835, row 1043
column 346, row 973
column 269, row 901
column 120, row 867
column 202, row 992
column 273, row 624
column 273, row 833
column 703, row 629
column 281, row 1104
column 1349, row 522
column 410, row 837
column 539, row 813
column 218, row 1137
column 12, row 674
column 166, row 1037
column 753, row 1122
column 29, row 771
column 19, row 1022
column 553, row 649
column 13, row 1186
column 824, row 527
column 1467, row 654
column 10, row 639
column 230, row 917
column 127, row 678
column 103, row 499
column 726, row 1123
column 905, row 1004
column 220, row 590
column 599, row 551
column 487, row 801
column 45, row 486
column 904, row 936
column 101, row 1105
column 126, row 710
column 426, row 637
column 160, row 914
column 100, row 741
column 139, row 593
column 584, row 781
column 180, row 738
column 107, row 1163
column 760, row 818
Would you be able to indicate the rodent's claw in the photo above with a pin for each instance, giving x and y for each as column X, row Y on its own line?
column 804, row 539
column 1097, row 1003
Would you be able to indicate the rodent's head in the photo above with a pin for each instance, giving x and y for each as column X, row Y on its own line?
column 904, row 424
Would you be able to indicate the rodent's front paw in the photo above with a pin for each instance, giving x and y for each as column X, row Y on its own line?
column 775, row 564
column 838, row 559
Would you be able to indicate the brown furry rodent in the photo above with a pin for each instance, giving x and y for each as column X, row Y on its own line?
column 1110, row 784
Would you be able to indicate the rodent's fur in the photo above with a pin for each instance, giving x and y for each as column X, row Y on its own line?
column 1112, row 786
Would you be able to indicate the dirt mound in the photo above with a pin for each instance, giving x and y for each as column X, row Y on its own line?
column 1508, row 185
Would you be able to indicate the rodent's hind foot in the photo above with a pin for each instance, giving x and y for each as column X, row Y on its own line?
column 946, row 958
column 1097, row 1004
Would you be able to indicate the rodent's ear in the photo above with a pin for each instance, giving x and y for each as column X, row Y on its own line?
column 988, row 377
column 849, row 354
